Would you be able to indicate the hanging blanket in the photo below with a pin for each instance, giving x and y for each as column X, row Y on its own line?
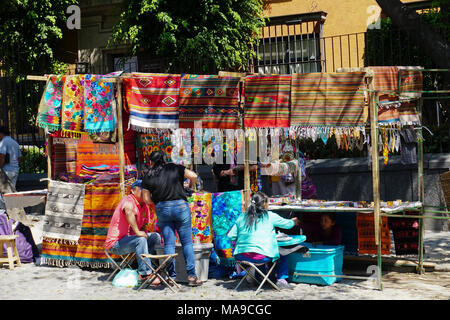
column 200, row 205
column 49, row 116
column 146, row 143
column 72, row 114
column 99, row 104
column 267, row 101
column 327, row 99
column 406, row 234
column 153, row 101
column 386, row 79
column 366, row 234
column 210, row 99
column 64, row 157
column 226, row 208
column 100, row 202
column 411, row 82
column 64, row 211
column 408, row 114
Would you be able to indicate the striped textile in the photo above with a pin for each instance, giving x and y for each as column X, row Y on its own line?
column 211, row 99
column 49, row 113
column 411, row 82
column 327, row 99
column 408, row 114
column 386, row 79
column 153, row 101
column 72, row 114
column 366, row 234
column 267, row 101
column 64, row 158
column 99, row 205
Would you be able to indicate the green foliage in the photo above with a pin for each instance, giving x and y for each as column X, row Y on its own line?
column 33, row 161
column 190, row 33
column 29, row 30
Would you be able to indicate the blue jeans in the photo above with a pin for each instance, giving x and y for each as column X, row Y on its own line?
column 281, row 269
column 140, row 245
column 175, row 215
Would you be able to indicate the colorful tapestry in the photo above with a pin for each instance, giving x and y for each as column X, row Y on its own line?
column 385, row 79
column 55, row 253
column 366, row 234
column 226, row 208
column 406, row 234
column 49, row 113
column 64, row 211
column 72, row 114
column 388, row 114
column 408, row 114
column 99, row 104
column 267, row 101
column 327, row 99
column 411, row 82
column 99, row 205
column 153, row 101
column 146, row 143
column 200, row 205
column 64, row 158
column 211, row 99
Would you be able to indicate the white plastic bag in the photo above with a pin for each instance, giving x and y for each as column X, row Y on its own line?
column 126, row 278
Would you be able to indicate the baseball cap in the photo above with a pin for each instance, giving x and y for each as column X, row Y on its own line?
column 137, row 183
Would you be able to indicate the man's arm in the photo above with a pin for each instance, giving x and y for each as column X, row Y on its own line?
column 132, row 221
column 192, row 176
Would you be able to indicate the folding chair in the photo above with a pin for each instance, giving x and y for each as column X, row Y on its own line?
column 248, row 266
column 126, row 259
column 161, row 271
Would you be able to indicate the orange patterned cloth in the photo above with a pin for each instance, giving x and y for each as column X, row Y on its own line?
column 366, row 234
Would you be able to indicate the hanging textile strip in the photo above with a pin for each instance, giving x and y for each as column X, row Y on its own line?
column 100, row 202
column 72, row 113
column 411, row 82
column 200, row 205
column 64, row 158
column 406, row 234
column 408, row 114
column 267, row 101
column 366, row 234
column 64, row 211
column 49, row 113
column 386, row 79
column 211, row 99
column 99, row 104
column 153, row 101
column 226, row 208
column 327, row 99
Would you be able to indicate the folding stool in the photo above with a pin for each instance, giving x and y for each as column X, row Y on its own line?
column 161, row 271
column 248, row 266
column 126, row 259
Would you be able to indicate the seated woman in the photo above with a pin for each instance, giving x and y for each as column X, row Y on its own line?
column 329, row 233
column 254, row 233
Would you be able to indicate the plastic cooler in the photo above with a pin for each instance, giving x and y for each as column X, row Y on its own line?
column 323, row 260
column 202, row 253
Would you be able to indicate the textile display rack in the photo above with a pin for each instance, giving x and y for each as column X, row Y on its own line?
column 254, row 114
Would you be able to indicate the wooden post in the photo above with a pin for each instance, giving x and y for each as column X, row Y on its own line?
column 120, row 138
column 49, row 157
column 420, row 187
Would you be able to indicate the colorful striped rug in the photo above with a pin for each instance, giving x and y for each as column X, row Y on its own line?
column 153, row 100
column 211, row 99
column 64, row 158
column 267, row 101
column 327, row 99
column 49, row 116
column 411, row 82
column 386, row 79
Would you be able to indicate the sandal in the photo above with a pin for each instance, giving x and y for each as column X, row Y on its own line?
column 194, row 282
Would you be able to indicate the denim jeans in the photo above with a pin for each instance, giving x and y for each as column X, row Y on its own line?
column 13, row 175
column 281, row 269
column 140, row 245
column 175, row 215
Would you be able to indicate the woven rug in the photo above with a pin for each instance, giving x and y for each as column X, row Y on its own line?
column 267, row 101
column 200, row 205
column 386, row 79
column 226, row 208
column 99, row 105
column 327, row 99
column 64, row 158
column 408, row 114
column 146, row 143
column 366, row 234
column 49, row 113
column 211, row 99
column 64, row 211
column 411, row 82
column 153, row 101
column 72, row 113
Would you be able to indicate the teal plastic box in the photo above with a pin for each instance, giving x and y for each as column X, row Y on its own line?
column 323, row 260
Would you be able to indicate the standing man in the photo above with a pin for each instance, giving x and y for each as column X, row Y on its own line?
column 9, row 155
column 127, row 233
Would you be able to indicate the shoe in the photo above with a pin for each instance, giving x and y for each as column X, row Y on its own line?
column 194, row 282
column 156, row 282
column 282, row 284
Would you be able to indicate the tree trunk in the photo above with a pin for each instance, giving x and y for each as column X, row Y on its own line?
column 419, row 31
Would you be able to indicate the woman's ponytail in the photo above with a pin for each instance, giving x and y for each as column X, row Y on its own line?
column 256, row 209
